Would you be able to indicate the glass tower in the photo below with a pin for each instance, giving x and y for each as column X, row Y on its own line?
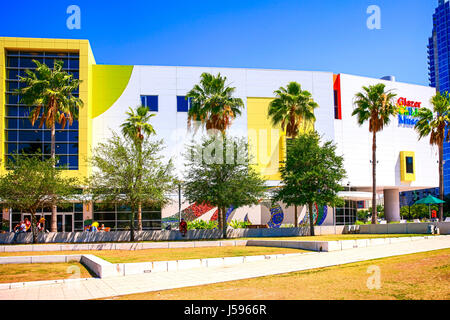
column 439, row 66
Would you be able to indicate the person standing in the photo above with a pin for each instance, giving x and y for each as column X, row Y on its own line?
column 183, row 227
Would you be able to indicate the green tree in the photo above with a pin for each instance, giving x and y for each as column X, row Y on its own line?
column 32, row 183
column 375, row 105
column 120, row 177
column 218, row 172
column 50, row 94
column 213, row 104
column 136, row 128
column 311, row 174
column 292, row 109
column 434, row 123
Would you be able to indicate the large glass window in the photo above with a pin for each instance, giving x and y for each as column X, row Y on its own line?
column 21, row 136
column 117, row 217
column 347, row 214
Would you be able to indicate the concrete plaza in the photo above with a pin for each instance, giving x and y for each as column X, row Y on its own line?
column 102, row 288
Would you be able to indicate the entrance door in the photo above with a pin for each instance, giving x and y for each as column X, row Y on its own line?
column 68, row 223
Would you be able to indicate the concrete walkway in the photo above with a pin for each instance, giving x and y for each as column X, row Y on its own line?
column 101, row 288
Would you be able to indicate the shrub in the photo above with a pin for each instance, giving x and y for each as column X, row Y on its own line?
column 236, row 224
column 201, row 225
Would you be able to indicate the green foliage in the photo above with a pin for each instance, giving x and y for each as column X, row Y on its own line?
column 129, row 174
column 380, row 211
column 212, row 103
column 311, row 174
column 137, row 125
column 417, row 211
column 5, row 225
column 291, row 108
column 218, row 172
column 201, row 225
column 32, row 183
column 236, row 224
column 363, row 215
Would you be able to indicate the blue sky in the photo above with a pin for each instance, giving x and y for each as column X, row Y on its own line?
column 321, row 35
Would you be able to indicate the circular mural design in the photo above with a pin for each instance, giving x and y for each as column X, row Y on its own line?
column 276, row 217
column 319, row 215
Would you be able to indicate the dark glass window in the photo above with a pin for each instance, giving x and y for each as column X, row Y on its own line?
column 151, row 102
column 409, row 165
column 32, row 139
column 183, row 104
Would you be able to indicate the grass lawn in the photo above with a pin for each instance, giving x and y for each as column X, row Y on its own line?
column 334, row 237
column 127, row 256
column 40, row 271
column 411, row 277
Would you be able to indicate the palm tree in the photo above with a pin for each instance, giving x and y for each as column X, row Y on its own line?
column 291, row 109
column 214, row 107
column 434, row 123
column 50, row 94
column 135, row 128
column 376, row 105
column 212, row 103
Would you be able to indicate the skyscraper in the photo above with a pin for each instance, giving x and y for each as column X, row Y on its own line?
column 439, row 66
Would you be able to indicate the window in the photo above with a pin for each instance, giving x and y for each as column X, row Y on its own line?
column 151, row 102
column 183, row 104
column 409, row 165
column 336, row 105
column 32, row 139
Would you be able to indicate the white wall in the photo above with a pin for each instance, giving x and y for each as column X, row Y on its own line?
column 355, row 142
column 168, row 82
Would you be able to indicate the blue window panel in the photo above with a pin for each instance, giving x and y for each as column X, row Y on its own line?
column 11, row 123
column 12, row 111
column 183, row 104
column 73, row 136
column 72, row 148
column 12, row 148
column 63, row 161
column 61, row 135
column 12, row 62
column 12, row 99
column 25, row 123
column 25, row 111
column 30, row 136
column 151, row 102
column 73, row 161
column 61, row 148
column 12, row 135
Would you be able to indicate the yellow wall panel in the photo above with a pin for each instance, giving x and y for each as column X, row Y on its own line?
column 266, row 142
column 86, row 61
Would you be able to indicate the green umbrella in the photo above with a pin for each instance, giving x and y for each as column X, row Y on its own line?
column 429, row 200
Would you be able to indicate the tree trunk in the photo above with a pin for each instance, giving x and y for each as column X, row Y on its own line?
column 219, row 219
column 295, row 217
column 132, row 225
column 140, row 217
column 441, row 181
column 222, row 212
column 53, row 227
column 33, row 227
column 374, row 179
column 311, row 219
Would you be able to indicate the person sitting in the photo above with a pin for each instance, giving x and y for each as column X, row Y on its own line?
column 41, row 224
column 19, row 228
column 27, row 225
column 94, row 226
